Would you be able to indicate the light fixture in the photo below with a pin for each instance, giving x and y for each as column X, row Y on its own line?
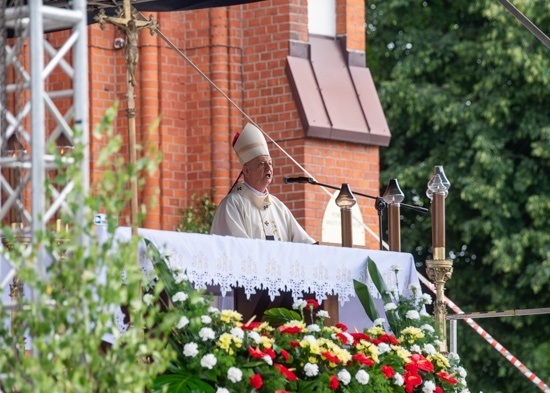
column 438, row 183
column 393, row 193
column 345, row 199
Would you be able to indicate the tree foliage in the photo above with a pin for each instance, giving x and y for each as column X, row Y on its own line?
column 466, row 86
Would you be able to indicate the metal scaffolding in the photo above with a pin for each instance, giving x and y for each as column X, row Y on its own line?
column 36, row 110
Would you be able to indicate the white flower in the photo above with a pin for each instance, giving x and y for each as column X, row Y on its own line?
column 222, row 390
column 237, row 332
column 427, row 328
column 462, row 372
column 362, row 377
column 398, row 379
column 234, row 374
column 191, row 350
column 207, row 334
column 453, row 356
column 379, row 321
column 389, row 307
column 206, row 319
column 430, row 349
column 183, row 322
column 395, row 268
column 299, row 304
column 213, row 310
column 179, row 297
column 180, row 277
column 309, row 339
column 148, row 299
column 412, row 314
column 383, row 348
column 323, row 314
column 428, row 387
column 344, row 376
column 313, row 328
column 268, row 360
column 209, row 361
column 311, row 370
column 424, row 313
column 415, row 348
column 254, row 336
column 426, row 298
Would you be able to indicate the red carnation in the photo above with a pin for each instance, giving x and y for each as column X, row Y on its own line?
column 333, row 384
column 256, row 381
column 438, row 390
column 290, row 329
column 294, row 344
column 357, row 337
column 341, row 326
column 312, row 304
column 362, row 358
column 388, row 371
column 447, row 378
column 342, row 337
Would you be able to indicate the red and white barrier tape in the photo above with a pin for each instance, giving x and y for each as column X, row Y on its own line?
column 494, row 343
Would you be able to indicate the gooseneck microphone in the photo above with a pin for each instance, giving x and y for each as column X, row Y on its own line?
column 299, row 180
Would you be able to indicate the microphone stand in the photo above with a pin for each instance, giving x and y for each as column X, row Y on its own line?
column 379, row 204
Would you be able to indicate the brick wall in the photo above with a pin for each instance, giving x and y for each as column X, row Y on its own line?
column 243, row 50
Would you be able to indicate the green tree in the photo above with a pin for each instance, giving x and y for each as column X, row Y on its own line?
column 71, row 312
column 198, row 216
column 466, row 86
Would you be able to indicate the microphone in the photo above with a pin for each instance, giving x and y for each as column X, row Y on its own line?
column 299, row 180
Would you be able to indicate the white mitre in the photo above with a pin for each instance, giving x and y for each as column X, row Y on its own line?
column 249, row 144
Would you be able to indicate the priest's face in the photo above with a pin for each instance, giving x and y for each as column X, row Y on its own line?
column 259, row 172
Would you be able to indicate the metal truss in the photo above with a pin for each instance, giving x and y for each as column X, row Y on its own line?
column 44, row 101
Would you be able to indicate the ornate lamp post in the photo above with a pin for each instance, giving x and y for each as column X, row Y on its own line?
column 345, row 201
column 439, row 269
column 393, row 196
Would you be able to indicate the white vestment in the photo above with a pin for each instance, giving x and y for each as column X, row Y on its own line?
column 242, row 213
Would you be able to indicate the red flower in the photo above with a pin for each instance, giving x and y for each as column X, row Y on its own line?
column 411, row 381
column 422, row 363
column 388, row 371
column 362, row 358
column 447, row 378
column 342, row 337
column 255, row 353
column 312, row 304
column 330, row 357
column 285, row 354
column 438, row 390
column 388, row 339
column 286, row 372
column 359, row 336
column 333, row 384
column 270, row 352
column 251, row 325
column 290, row 329
column 341, row 326
column 294, row 344
column 281, row 391
column 256, row 381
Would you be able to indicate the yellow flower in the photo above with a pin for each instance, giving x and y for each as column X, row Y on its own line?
column 439, row 360
column 227, row 316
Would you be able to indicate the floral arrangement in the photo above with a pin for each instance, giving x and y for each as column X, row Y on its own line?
column 218, row 352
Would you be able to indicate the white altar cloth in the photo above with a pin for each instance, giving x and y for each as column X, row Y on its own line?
column 228, row 262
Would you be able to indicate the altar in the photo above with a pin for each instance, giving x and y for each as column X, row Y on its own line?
column 222, row 263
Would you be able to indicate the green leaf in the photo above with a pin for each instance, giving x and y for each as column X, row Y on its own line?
column 280, row 316
column 182, row 382
column 392, row 317
column 362, row 292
